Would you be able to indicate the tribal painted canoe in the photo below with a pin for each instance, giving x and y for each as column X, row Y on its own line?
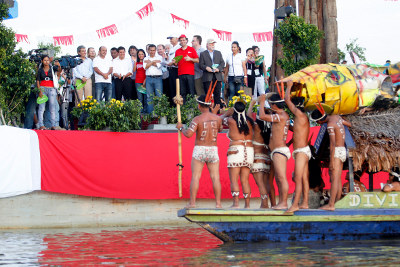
column 358, row 216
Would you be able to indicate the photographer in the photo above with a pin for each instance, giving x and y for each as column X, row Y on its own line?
column 84, row 73
column 46, row 82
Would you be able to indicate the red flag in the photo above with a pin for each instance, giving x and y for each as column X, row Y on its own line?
column 145, row 11
column 262, row 36
column 107, row 31
column 223, row 35
column 22, row 38
column 180, row 20
column 63, row 40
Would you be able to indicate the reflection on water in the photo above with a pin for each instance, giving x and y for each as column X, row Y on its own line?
column 179, row 246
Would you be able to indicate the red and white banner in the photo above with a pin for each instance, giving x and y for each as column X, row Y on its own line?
column 262, row 36
column 63, row 40
column 223, row 35
column 71, row 162
column 107, row 31
column 145, row 11
column 180, row 21
column 22, row 38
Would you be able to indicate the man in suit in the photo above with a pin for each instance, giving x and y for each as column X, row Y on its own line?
column 212, row 64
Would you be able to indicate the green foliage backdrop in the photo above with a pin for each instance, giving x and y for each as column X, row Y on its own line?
column 300, row 43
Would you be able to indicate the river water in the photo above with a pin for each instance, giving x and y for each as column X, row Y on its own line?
column 179, row 246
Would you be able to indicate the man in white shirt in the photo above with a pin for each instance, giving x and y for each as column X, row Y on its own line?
column 152, row 65
column 122, row 71
column 172, row 69
column 84, row 73
column 102, row 74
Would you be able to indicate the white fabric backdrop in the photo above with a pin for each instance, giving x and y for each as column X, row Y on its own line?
column 20, row 171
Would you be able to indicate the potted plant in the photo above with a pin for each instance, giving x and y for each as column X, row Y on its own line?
column 161, row 108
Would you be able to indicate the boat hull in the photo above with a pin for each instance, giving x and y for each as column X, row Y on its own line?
column 359, row 216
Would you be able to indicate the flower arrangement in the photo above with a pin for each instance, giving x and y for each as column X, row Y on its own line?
column 243, row 98
column 118, row 116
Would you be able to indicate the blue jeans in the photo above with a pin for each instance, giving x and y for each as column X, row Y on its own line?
column 153, row 86
column 51, row 93
column 234, row 87
column 103, row 87
column 142, row 98
column 113, row 95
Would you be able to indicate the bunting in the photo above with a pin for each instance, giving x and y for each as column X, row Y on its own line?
column 63, row 40
column 22, row 38
column 223, row 35
column 262, row 36
column 180, row 21
column 107, row 31
column 145, row 11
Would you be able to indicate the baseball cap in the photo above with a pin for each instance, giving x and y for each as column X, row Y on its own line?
column 182, row 36
column 210, row 41
column 172, row 36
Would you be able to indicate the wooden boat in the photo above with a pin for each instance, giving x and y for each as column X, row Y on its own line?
column 358, row 216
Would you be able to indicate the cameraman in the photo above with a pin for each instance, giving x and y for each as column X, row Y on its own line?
column 84, row 73
column 46, row 81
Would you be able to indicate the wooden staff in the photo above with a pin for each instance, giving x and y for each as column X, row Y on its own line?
column 178, row 111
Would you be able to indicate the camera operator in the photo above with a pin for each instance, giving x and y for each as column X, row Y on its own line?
column 84, row 73
column 46, row 81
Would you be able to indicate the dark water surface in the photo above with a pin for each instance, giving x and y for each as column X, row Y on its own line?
column 177, row 246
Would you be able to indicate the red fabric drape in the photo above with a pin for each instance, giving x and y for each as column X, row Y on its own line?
column 132, row 165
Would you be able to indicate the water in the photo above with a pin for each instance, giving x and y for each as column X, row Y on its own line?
column 179, row 246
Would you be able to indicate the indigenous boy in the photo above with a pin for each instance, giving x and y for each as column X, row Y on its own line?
column 206, row 126
column 337, row 149
column 301, row 150
column 277, row 143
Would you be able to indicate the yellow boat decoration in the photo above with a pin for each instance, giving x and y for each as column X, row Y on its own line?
column 341, row 89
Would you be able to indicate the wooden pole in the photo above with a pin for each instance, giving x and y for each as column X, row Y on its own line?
column 178, row 111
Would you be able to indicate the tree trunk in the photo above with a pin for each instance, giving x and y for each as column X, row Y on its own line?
column 314, row 12
column 307, row 11
column 330, row 28
column 276, row 71
column 2, row 120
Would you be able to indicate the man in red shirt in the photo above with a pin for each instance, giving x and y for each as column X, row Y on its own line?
column 186, row 66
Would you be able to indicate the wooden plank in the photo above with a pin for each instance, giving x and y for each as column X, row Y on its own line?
column 322, row 219
column 370, row 200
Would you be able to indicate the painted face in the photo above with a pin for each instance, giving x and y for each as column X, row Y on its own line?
column 121, row 54
column 250, row 54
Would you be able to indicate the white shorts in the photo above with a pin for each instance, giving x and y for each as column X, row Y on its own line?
column 207, row 154
column 260, row 167
column 240, row 156
column 340, row 153
column 284, row 150
column 306, row 150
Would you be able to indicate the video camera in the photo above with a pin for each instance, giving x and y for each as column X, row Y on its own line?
column 69, row 62
column 35, row 55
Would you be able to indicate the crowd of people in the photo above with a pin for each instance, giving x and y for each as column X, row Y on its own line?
column 260, row 148
column 141, row 74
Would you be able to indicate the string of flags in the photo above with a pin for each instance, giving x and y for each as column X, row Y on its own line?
column 146, row 11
